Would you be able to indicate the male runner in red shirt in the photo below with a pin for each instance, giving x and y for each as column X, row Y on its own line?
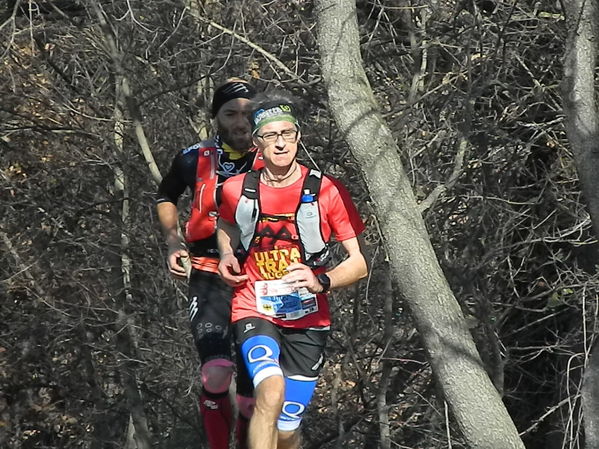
column 280, row 312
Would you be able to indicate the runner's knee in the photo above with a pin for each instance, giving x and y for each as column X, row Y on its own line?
column 246, row 405
column 270, row 395
column 217, row 375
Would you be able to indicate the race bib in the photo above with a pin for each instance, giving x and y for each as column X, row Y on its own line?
column 281, row 300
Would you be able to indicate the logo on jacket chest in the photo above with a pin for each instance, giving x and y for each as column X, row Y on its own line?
column 229, row 167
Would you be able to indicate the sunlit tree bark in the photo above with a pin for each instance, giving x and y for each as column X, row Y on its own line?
column 580, row 104
column 580, row 108
column 476, row 405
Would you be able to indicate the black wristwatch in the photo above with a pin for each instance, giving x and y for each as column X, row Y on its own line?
column 325, row 281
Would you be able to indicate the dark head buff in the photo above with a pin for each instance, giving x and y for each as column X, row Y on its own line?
column 275, row 111
column 230, row 91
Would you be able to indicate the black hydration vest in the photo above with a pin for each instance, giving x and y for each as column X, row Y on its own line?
column 315, row 251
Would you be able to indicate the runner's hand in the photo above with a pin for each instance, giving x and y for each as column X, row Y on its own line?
column 229, row 270
column 174, row 262
column 301, row 275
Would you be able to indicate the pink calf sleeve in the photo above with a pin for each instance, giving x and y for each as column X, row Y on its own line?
column 217, row 375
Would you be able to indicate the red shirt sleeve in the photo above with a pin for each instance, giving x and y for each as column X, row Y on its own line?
column 342, row 214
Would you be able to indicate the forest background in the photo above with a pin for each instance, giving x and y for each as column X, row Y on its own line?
column 96, row 98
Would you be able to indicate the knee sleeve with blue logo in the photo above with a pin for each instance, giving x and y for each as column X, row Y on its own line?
column 261, row 354
column 298, row 392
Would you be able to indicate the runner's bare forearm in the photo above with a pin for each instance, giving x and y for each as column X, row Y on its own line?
column 168, row 216
column 227, row 237
column 351, row 269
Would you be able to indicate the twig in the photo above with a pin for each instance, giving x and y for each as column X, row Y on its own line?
column 23, row 268
column 448, row 429
column 11, row 16
column 130, row 101
column 545, row 415
column 455, row 174
column 250, row 44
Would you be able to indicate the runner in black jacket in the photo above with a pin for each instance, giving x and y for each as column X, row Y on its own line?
column 202, row 168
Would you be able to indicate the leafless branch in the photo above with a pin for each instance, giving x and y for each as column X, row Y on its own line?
column 250, row 44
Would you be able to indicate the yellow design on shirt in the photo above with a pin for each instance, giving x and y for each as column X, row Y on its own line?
column 232, row 153
column 273, row 264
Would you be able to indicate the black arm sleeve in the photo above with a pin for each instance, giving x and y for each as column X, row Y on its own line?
column 180, row 176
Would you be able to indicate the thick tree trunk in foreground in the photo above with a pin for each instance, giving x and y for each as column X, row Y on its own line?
column 475, row 403
column 580, row 105
column 580, row 109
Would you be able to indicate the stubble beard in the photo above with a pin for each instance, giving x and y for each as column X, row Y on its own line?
column 237, row 141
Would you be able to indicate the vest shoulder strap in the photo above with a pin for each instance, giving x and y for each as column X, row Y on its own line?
column 250, row 184
column 312, row 183
column 251, row 181
column 206, row 148
column 207, row 161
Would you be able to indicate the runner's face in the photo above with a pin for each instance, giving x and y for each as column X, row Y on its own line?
column 233, row 124
column 280, row 153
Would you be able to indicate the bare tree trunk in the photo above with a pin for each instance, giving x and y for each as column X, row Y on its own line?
column 475, row 403
column 125, row 340
column 580, row 104
column 103, row 419
column 130, row 101
column 582, row 127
